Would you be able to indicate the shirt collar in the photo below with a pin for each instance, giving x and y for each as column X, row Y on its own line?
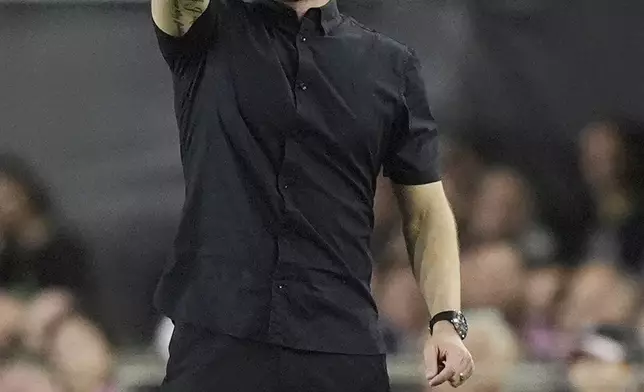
column 328, row 14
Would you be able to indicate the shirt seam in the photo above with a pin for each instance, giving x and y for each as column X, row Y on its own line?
column 408, row 54
column 403, row 76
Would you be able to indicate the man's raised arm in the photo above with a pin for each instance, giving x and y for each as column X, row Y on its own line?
column 175, row 17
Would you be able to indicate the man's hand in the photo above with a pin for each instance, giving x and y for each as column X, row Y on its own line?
column 446, row 357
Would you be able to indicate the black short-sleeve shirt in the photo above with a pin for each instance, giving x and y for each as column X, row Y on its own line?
column 284, row 126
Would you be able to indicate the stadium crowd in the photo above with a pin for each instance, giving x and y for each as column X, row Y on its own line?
column 524, row 300
column 49, row 341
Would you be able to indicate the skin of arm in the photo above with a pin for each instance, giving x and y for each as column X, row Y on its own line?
column 430, row 232
column 432, row 242
column 175, row 17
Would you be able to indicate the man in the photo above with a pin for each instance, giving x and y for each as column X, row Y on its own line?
column 287, row 111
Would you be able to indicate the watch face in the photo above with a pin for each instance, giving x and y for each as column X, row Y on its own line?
column 460, row 324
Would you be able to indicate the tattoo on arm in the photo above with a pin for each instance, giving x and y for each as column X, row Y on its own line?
column 185, row 13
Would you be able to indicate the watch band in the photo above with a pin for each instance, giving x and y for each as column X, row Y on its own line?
column 448, row 315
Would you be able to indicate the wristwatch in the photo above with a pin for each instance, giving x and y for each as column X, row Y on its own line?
column 456, row 318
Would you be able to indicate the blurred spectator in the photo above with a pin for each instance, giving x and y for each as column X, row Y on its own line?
column 605, row 360
column 504, row 210
column 462, row 170
column 387, row 223
column 403, row 312
column 542, row 292
column 402, row 306
column 596, row 376
column 598, row 294
column 595, row 294
column 542, row 289
column 639, row 324
column 493, row 276
column 11, row 314
column 612, row 164
column 74, row 350
column 28, row 376
column 81, row 355
column 41, row 315
column 36, row 251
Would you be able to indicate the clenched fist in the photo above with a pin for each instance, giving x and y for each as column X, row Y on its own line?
column 446, row 357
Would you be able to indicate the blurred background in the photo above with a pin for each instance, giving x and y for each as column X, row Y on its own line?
column 541, row 112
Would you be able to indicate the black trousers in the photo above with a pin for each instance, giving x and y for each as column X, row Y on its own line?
column 203, row 361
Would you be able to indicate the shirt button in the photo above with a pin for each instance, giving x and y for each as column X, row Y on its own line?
column 303, row 39
column 281, row 286
column 303, row 86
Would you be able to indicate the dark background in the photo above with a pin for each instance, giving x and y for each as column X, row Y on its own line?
column 86, row 97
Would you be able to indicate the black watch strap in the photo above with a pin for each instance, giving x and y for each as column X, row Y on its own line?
column 454, row 317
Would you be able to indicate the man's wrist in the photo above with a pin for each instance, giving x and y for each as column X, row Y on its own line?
column 449, row 322
column 444, row 327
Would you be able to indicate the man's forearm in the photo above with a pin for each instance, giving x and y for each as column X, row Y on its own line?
column 433, row 247
column 430, row 232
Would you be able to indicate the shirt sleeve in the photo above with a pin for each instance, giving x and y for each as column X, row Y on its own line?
column 412, row 155
column 195, row 41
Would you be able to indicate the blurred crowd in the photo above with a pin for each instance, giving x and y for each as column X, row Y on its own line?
column 525, row 301
column 49, row 341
